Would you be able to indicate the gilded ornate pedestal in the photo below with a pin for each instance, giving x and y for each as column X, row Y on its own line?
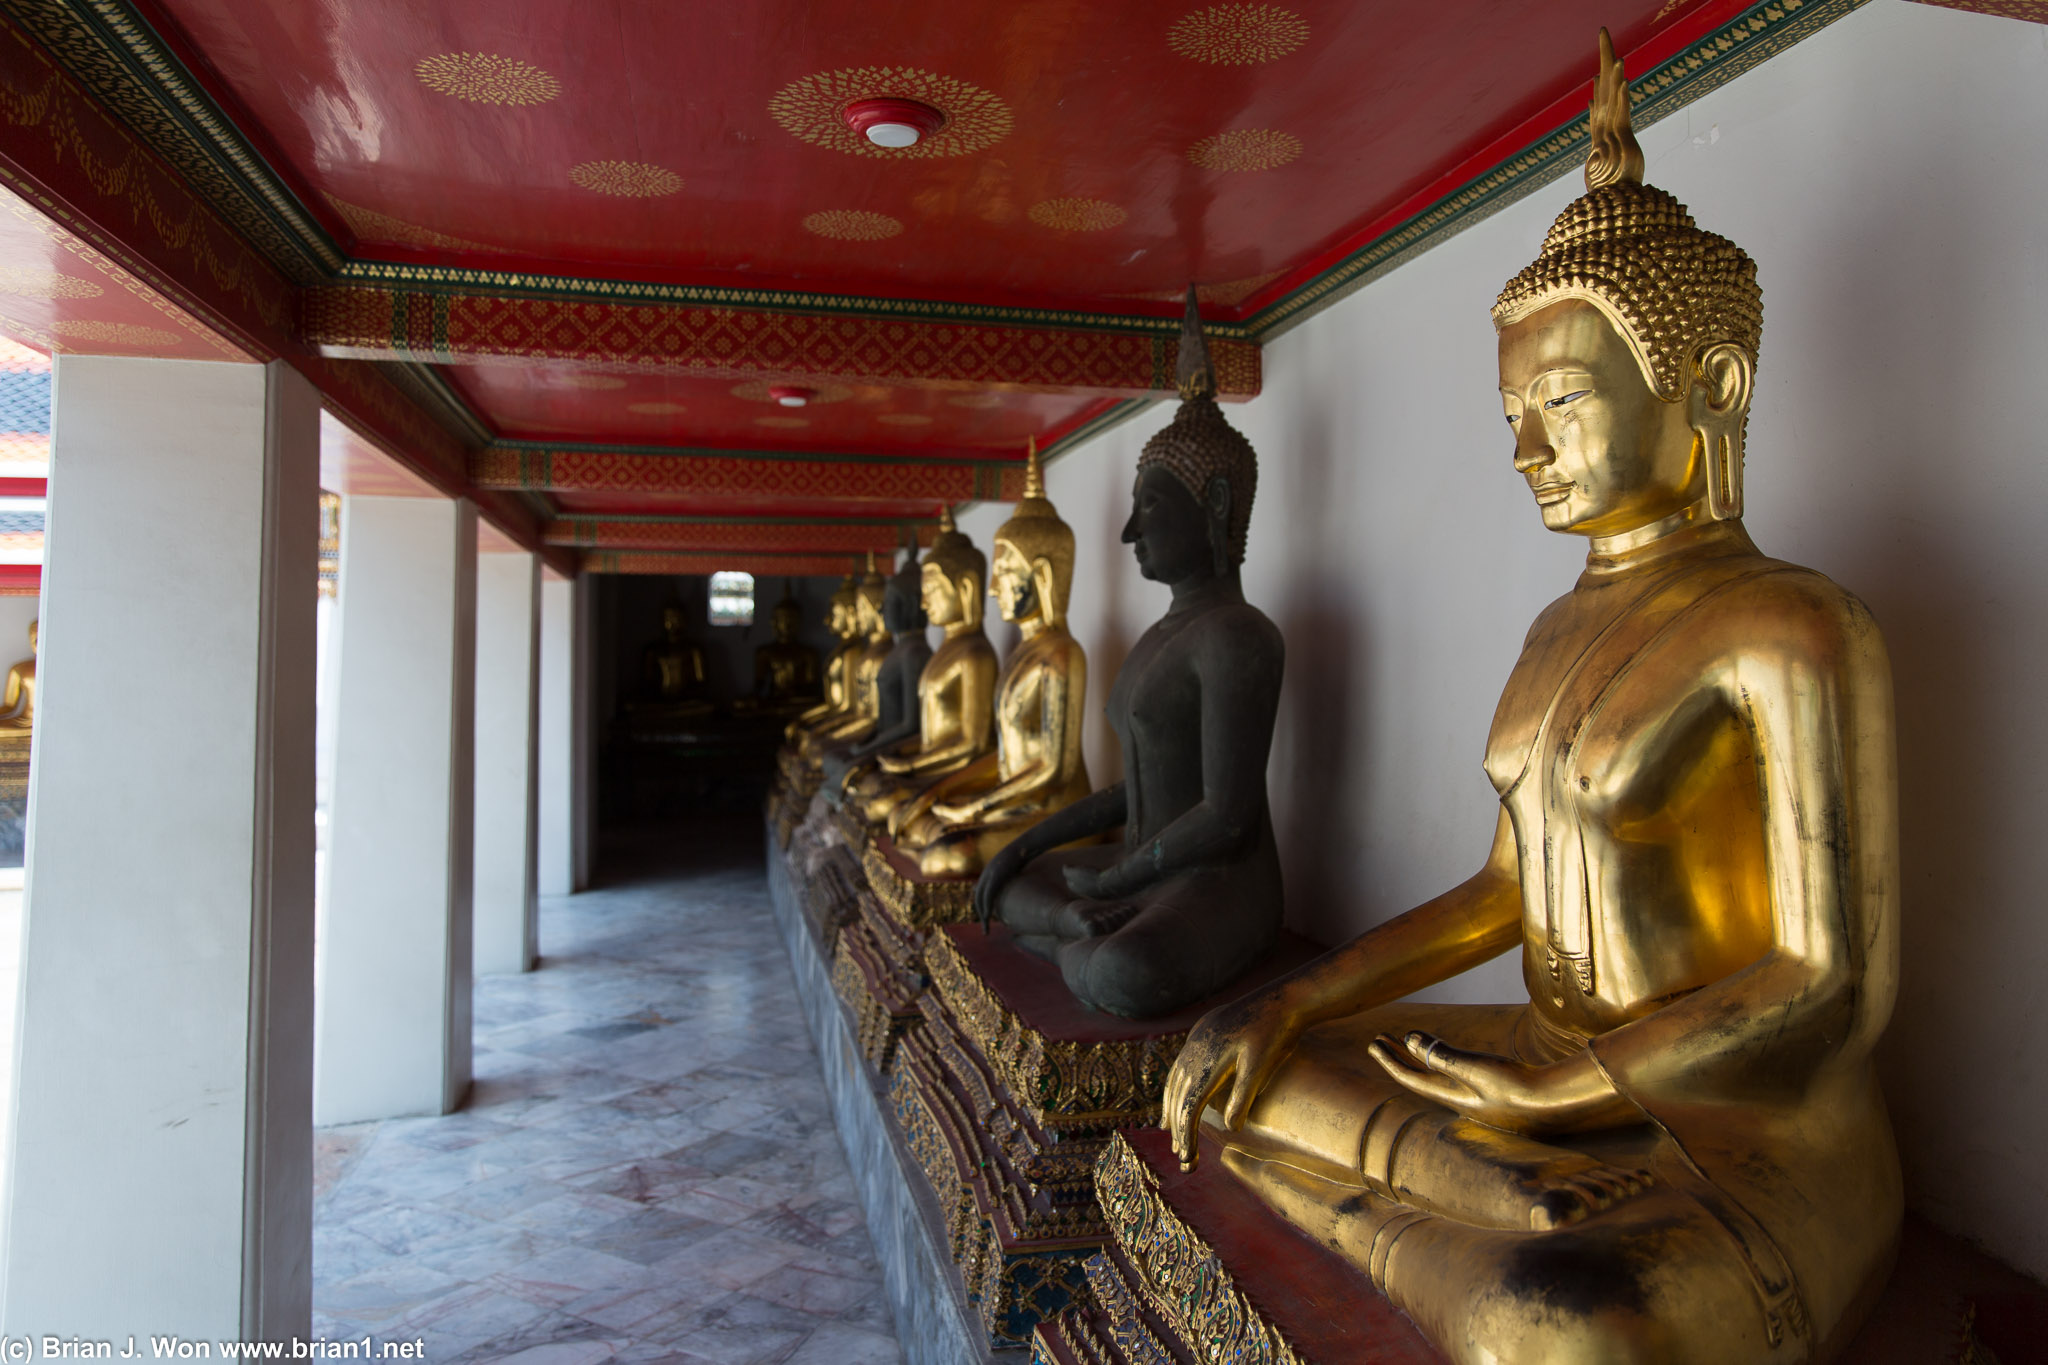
column 878, row 962
column 1008, row 1094
column 1198, row 1271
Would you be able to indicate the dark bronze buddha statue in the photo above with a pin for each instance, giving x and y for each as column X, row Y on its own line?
column 1190, row 899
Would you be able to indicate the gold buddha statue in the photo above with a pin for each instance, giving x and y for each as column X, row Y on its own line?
column 863, row 672
column 785, row 671
column 957, row 824
column 955, row 692
column 1676, row 1150
column 19, row 701
column 671, row 672
column 842, row 618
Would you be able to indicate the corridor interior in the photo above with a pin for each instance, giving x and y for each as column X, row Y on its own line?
column 646, row 1169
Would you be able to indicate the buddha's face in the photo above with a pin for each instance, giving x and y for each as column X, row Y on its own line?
column 867, row 616
column 1012, row 583
column 1602, row 453
column 1169, row 530
column 672, row 621
column 841, row 618
column 785, row 622
column 942, row 604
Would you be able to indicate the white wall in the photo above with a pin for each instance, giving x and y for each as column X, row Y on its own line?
column 1888, row 177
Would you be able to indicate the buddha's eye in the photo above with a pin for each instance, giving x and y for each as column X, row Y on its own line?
column 1514, row 417
column 1571, row 397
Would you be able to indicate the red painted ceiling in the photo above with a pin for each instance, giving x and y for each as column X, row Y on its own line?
column 1103, row 155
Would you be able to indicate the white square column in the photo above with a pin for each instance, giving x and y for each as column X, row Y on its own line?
column 507, row 768
column 395, row 952
column 567, row 625
column 162, row 1172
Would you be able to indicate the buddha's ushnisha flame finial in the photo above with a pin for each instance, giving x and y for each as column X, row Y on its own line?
column 871, row 563
column 1034, row 473
column 1194, row 375
column 946, row 519
column 1616, row 157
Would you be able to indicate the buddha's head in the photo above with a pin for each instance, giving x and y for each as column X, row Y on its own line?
column 1034, row 559
column 842, row 616
column 903, row 599
column 786, row 619
column 1628, row 348
column 951, row 577
column 673, row 622
column 868, row 602
column 1191, row 507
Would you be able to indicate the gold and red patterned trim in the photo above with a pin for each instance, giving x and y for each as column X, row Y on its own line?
column 734, row 343
column 735, row 474
column 765, row 566
column 782, row 536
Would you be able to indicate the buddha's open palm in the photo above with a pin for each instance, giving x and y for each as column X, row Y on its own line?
column 1238, row 1045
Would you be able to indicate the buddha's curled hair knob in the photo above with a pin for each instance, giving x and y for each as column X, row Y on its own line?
column 1633, row 251
column 1200, row 446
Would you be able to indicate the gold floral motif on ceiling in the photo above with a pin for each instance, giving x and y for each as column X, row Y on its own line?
column 1078, row 215
column 781, row 423
column 656, row 409
column 980, row 402
column 852, row 225
column 593, row 381
column 115, row 333
column 1245, row 149
column 814, row 110
column 904, row 419
column 817, row 394
column 625, row 179
column 486, row 78
column 32, row 282
column 374, row 226
column 1238, row 35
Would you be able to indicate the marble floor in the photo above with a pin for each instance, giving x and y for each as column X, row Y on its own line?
column 647, row 1170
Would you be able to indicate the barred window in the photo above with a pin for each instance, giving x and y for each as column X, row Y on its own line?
column 732, row 599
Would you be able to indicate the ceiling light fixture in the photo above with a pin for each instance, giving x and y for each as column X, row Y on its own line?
column 791, row 395
column 894, row 123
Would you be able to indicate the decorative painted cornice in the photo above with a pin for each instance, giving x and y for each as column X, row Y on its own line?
column 731, row 343
column 764, row 535
column 761, row 565
column 680, row 472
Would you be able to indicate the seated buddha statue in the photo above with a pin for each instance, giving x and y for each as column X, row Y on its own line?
column 896, row 717
column 863, row 674
column 785, row 671
column 842, row 618
column 19, row 701
column 955, row 692
column 672, row 672
column 1189, row 899
column 1676, row 1150
column 961, row 821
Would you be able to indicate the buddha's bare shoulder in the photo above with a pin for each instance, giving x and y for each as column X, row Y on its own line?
column 1238, row 627
column 1788, row 606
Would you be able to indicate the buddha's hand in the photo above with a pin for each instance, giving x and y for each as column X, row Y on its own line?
column 1238, row 1045
column 1568, row 1096
column 1000, row 871
column 893, row 765
column 1101, row 884
column 956, row 812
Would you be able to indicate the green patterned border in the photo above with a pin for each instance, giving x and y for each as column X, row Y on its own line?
column 1746, row 41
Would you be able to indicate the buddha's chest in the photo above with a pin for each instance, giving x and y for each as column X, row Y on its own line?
column 1157, row 697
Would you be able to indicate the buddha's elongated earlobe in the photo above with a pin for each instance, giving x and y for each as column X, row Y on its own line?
column 1718, row 412
column 1042, row 579
column 1219, row 524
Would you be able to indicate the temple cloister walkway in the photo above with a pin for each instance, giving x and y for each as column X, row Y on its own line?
column 647, row 1168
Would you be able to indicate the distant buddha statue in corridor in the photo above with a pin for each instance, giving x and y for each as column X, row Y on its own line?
column 842, row 618
column 896, row 684
column 863, row 673
column 956, row 690
column 1676, row 1151
column 1190, row 899
column 960, row 822
column 672, row 669
column 19, row 702
column 784, row 670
